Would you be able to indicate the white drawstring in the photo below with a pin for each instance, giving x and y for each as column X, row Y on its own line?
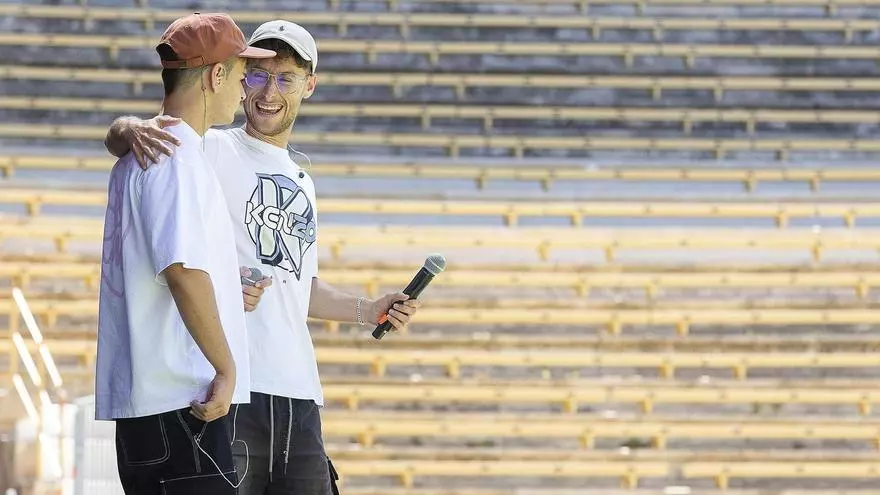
column 247, row 454
column 290, row 148
column 271, row 434
column 289, row 430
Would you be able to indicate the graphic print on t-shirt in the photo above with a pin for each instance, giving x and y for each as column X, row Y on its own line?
column 116, row 229
column 281, row 222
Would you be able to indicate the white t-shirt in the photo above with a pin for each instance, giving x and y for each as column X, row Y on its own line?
column 175, row 212
column 272, row 204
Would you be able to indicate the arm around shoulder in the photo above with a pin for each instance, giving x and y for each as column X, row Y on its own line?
column 146, row 139
column 116, row 140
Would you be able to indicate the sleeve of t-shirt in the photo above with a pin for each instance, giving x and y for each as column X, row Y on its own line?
column 314, row 200
column 174, row 212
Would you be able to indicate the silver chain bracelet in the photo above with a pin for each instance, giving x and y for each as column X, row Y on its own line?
column 360, row 315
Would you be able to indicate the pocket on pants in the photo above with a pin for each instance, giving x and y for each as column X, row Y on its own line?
column 334, row 477
column 142, row 441
column 193, row 426
column 209, row 441
column 202, row 484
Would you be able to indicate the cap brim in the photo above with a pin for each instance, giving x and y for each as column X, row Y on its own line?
column 253, row 52
column 274, row 36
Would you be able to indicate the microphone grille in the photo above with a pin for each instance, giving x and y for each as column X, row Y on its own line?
column 435, row 263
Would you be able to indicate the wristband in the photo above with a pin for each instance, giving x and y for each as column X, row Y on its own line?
column 360, row 315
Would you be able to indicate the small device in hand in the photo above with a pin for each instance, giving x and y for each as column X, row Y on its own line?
column 256, row 276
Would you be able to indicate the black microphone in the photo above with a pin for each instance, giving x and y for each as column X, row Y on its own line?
column 434, row 264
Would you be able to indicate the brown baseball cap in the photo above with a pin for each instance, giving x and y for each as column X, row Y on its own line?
column 204, row 39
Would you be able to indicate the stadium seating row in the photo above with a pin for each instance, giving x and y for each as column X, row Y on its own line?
column 612, row 320
column 647, row 394
column 546, row 174
column 829, row 5
column 434, row 49
column 630, row 473
column 454, row 359
column 22, row 273
column 430, row 337
column 687, row 117
column 569, row 395
column 781, row 213
column 550, row 300
column 397, row 81
column 542, row 241
column 641, row 3
column 370, row 428
column 667, row 363
column 516, row 145
column 405, row 22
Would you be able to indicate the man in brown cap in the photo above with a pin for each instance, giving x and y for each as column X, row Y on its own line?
column 172, row 342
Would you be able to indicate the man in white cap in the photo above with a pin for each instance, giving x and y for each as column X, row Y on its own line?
column 273, row 207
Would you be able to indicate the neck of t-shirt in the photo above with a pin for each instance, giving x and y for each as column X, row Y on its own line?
column 186, row 132
column 277, row 140
column 261, row 145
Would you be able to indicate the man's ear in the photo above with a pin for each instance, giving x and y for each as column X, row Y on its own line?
column 217, row 76
column 311, row 83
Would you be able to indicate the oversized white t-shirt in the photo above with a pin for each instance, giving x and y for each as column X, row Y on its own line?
column 175, row 212
column 272, row 204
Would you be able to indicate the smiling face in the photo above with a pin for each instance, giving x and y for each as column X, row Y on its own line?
column 274, row 92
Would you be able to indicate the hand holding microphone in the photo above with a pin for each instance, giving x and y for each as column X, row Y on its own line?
column 395, row 308
column 434, row 264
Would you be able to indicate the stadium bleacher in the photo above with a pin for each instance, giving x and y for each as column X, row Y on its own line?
column 434, row 50
column 489, row 115
column 661, row 218
column 545, row 174
column 461, row 82
column 780, row 213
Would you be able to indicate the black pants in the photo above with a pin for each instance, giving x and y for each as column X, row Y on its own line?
column 284, row 453
column 165, row 454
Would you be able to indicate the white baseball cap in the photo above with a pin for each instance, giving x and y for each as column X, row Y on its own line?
column 291, row 33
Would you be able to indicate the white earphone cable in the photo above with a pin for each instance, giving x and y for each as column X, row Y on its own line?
column 247, row 454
